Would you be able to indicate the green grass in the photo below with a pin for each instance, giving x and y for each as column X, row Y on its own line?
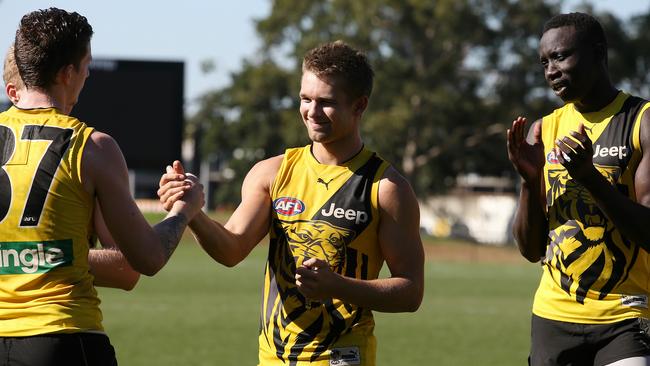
column 472, row 314
column 197, row 312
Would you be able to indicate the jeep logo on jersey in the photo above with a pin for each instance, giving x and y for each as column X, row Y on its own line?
column 551, row 158
column 340, row 213
column 614, row 151
column 34, row 257
column 288, row 206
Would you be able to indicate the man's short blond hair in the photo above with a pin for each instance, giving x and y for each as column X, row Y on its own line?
column 10, row 71
column 339, row 60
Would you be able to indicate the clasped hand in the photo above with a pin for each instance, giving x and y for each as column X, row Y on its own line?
column 176, row 186
column 316, row 280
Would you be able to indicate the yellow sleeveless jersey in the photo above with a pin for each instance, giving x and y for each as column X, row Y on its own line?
column 331, row 213
column 591, row 273
column 45, row 215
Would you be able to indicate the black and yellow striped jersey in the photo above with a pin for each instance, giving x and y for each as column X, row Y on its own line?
column 592, row 273
column 45, row 216
column 331, row 213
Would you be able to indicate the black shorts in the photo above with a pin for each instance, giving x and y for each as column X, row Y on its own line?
column 562, row 343
column 76, row 349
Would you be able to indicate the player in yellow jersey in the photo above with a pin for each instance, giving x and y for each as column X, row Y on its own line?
column 52, row 169
column 335, row 212
column 584, row 206
column 108, row 265
column 11, row 77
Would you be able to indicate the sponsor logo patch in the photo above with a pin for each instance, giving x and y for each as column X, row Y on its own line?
column 34, row 257
column 639, row 301
column 345, row 356
column 614, row 151
column 348, row 214
column 288, row 206
column 551, row 158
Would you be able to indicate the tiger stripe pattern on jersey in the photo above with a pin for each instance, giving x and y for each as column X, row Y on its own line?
column 335, row 222
column 590, row 269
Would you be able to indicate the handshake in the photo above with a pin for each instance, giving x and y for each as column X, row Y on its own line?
column 181, row 191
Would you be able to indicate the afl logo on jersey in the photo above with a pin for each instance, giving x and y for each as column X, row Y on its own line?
column 288, row 206
column 551, row 158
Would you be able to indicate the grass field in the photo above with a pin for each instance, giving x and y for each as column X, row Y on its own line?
column 476, row 311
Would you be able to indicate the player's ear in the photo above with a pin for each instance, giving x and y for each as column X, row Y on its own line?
column 600, row 50
column 65, row 74
column 361, row 104
column 12, row 93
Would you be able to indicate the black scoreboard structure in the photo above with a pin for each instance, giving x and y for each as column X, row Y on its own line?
column 140, row 104
column 4, row 104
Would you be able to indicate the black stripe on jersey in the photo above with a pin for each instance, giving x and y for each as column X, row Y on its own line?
column 635, row 254
column 589, row 277
column 50, row 162
column 265, row 317
column 364, row 267
column 355, row 320
column 566, row 282
column 337, row 327
column 619, row 133
column 304, row 338
column 7, row 147
column 7, row 144
column 354, row 195
column 351, row 262
column 278, row 342
column 283, row 322
column 618, row 268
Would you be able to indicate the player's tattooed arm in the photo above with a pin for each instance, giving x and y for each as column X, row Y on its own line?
column 170, row 231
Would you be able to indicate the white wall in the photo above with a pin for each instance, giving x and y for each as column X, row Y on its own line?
column 483, row 217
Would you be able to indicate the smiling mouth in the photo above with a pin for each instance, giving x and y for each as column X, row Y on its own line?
column 559, row 87
column 317, row 125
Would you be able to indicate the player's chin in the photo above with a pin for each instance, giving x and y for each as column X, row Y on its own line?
column 319, row 137
column 567, row 95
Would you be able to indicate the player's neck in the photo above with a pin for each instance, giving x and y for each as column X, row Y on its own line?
column 335, row 153
column 599, row 97
column 35, row 98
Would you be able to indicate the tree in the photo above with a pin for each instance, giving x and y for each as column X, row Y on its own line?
column 450, row 77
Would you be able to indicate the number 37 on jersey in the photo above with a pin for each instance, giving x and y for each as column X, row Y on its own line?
column 29, row 160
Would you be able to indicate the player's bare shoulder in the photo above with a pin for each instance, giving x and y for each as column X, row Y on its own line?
column 263, row 173
column 100, row 147
column 101, row 159
column 396, row 193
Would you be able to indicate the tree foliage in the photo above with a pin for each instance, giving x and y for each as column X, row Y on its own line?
column 450, row 76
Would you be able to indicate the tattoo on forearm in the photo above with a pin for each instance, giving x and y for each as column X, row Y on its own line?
column 170, row 231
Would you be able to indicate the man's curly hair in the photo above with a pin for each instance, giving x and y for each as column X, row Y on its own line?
column 588, row 29
column 338, row 60
column 48, row 40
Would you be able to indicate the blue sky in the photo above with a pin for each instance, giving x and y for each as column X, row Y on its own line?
column 189, row 30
